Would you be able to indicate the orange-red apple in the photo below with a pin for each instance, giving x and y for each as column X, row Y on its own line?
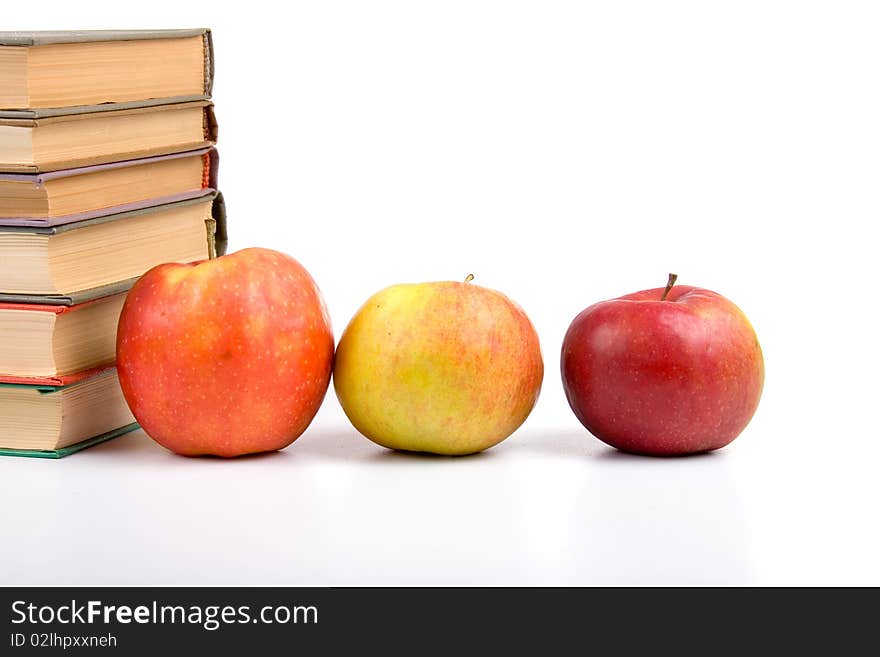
column 664, row 371
column 228, row 356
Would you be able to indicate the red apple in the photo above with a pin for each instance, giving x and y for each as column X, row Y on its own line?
column 228, row 356
column 663, row 371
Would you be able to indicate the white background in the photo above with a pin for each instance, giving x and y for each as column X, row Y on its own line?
column 564, row 153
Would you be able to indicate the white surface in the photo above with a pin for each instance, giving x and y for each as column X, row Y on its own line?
column 563, row 153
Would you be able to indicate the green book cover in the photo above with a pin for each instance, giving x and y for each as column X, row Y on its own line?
column 70, row 449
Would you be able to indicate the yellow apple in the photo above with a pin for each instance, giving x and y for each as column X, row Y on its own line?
column 446, row 367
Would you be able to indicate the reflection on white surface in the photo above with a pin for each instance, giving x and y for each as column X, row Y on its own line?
column 668, row 521
column 335, row 509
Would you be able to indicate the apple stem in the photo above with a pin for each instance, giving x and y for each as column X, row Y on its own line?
column 669, row 284
column 468, row 278
column 211, row 229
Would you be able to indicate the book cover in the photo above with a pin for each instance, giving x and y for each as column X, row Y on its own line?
column 67, row 300
column 52, row 383
column 218, row 211
column 70, row 449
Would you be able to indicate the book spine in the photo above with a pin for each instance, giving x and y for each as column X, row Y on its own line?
column 209, row 63
column 209, row 125
column 218, row 212
column 210, row 170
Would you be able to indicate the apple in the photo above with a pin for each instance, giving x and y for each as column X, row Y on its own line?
column 225, row 357
column 667, row 371
column 445, row 367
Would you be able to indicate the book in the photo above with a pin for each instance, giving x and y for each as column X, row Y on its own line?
column 61, row 69
column 34, row 141
column 53, row 341
column 69, row 195
column 53, row 421
column 67, row 259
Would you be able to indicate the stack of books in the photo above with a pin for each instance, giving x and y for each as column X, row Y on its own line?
column 107, row 168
